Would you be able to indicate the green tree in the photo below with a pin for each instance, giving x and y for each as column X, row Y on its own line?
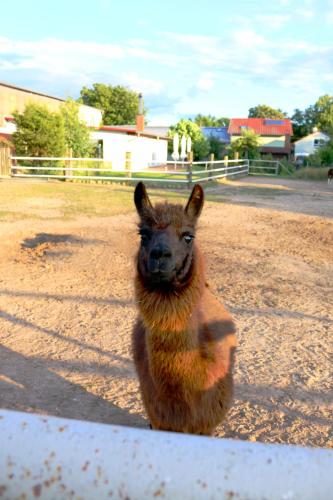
column 324, row 111
column 200, row 145
column 216, row 147
column 119, row 104
column 264, row 111
column 302, row 123
column 323, row 156
column 318, row 115
column 40, row 132
column 77, row 135
column 247, row 145
column 211, row 121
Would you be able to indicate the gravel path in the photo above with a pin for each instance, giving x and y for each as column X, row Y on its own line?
column 67, row 310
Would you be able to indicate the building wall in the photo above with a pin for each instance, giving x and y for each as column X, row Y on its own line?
column 268, row 141
column 8, row 128
column 91, row 116
column 306, row 145
column 14, row 99
column 145, row 150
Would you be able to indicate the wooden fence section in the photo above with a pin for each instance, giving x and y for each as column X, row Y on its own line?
column 5, row 160
column 96, row 169
column 265, row 167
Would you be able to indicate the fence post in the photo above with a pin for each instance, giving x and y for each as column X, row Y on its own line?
column 277, row 168
column 128, row 163
column 248, row 166
column 68, row 173
column 226, row 158
column 211, row 166
column 236, row 157
column 190, row 160
column 5, row 160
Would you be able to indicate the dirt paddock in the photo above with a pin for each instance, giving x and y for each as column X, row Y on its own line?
column 67, row 307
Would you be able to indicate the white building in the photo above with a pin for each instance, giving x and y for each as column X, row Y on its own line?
column 146, row 149
column 308, row 145
column 92, row 117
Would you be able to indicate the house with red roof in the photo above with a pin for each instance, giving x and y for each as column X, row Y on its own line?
column 275, row 135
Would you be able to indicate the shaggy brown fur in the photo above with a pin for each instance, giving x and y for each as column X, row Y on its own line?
column 183, row 341
column 330, row 175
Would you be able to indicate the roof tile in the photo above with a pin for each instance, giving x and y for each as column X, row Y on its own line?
column 260, row 127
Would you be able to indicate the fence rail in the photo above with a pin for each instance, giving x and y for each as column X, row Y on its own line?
column 179, row 172
column 78, row 169
column 48, row 457
column 273, row 167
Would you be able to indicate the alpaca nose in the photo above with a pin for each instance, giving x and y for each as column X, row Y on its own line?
column 160, row 252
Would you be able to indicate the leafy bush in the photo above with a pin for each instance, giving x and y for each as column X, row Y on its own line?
column 40, row 132
column 247, row 145
column 323, row 156
column 216, row 147
column 287, row 168
column 77, row 135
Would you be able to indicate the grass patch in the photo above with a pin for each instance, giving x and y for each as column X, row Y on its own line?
column 311, row 173
column 24, row 199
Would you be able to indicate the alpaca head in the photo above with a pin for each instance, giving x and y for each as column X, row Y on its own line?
column 167, row 235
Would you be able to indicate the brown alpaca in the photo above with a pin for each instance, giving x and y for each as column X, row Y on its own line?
column 184, row 340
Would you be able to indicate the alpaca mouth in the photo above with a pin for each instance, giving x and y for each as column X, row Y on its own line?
column 161, row 276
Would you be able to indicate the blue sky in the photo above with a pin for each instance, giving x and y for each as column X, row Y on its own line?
column 186, row 57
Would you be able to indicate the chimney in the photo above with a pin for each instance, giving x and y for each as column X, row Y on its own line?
column 140, row 119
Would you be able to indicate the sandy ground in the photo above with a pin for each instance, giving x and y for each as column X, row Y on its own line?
column 67, row 310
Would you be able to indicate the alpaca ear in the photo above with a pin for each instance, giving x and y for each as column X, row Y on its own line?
column 141, row 200
column 195, row 202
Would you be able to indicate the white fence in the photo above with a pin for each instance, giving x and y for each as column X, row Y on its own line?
column 96, row 169
column 53, row 458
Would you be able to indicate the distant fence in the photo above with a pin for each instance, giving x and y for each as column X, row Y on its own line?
column 265, row 167
column 96, row 169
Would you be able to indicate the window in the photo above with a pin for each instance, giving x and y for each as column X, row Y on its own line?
column 318, row 143
column 99, row 153
column 274, row 122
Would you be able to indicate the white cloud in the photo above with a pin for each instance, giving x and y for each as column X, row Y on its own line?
column 139, row 84
column 59, row 57
column 176, row 64
column 168, row 59
column 305, row 14
column 206, row 81
column 199, row 43
column 248, row 38
column 274, row 21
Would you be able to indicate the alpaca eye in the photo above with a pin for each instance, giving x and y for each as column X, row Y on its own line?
column 145, row 236
column 188, row 238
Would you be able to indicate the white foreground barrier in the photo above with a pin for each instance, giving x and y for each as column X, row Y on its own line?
column 52, row 458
